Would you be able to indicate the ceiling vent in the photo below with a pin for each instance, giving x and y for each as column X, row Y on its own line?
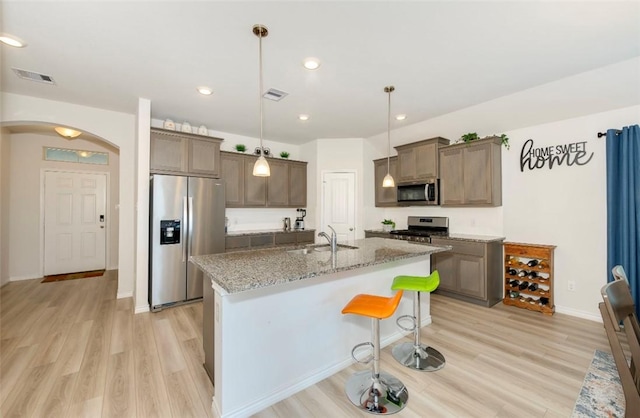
column 30, row 75
column 275, row 95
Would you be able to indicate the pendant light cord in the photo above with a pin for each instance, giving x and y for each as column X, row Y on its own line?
column 260, row 91
column 389, row 133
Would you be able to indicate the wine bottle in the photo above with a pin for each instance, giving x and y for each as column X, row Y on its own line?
column 533, row 287
column 523, row 273
column 532, row 275
column 512, row 272
column 532, row 263
column 524, row 285
column 514, row 283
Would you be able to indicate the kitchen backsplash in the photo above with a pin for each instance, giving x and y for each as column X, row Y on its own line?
column 260, row 219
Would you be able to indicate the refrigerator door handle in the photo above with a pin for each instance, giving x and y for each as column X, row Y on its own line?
column 190, row 224
column 185, row 220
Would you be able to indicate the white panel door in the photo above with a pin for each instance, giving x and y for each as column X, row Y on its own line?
column 74, row 222
column 339, row 204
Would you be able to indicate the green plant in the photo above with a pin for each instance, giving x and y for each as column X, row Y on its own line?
column 504, row 140
column 389, row 222
column 472, row 136
column 241, row 147
column 284, row 154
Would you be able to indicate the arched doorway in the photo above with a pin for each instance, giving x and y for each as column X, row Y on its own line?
column 24, row 165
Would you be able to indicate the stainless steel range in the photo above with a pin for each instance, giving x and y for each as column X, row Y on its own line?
column 422, row 228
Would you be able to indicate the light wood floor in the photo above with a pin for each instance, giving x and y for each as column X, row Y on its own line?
column 71, row 349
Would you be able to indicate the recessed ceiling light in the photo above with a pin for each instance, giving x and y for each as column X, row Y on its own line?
column 303, row 117
column 12, row 41
column 67, row 132
column 206, row 91
column 311, row 63
column 401, row 117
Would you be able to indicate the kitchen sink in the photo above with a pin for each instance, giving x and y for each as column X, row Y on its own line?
column 320, row 248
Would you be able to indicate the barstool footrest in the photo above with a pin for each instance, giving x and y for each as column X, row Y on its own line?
column 367, row 359
column 422, row 357
column 411, row 318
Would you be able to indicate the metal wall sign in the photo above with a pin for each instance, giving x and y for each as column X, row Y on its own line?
column 574, row 153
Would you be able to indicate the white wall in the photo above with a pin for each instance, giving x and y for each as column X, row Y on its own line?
column 5, row 149
column 113, row 127
column 143, row 152
column 334, row 155
column 26, row 165
column 565, row 206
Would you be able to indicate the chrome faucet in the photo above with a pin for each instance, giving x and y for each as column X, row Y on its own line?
column 333, row 240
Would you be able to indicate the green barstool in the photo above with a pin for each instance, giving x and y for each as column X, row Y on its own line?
column 415, row 355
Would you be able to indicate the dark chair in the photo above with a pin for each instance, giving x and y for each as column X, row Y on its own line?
column 618, row 307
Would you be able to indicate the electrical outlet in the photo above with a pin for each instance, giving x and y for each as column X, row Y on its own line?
column 571, row 285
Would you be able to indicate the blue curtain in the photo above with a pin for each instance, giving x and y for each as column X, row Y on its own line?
column 623, row 205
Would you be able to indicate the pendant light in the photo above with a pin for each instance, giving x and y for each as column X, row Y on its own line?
column 388, row 180
column 261, row 167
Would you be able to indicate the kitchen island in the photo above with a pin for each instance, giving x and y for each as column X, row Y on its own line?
column 275, row 315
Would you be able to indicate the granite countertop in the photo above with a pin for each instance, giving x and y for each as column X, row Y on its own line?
column 475, row 238
column 237, row 272
column 265, row 231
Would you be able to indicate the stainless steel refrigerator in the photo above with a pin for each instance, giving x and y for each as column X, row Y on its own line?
column 186, row 218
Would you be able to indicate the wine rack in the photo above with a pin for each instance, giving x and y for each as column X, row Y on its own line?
column 528, row 276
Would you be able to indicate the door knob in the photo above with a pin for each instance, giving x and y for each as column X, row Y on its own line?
column 350, row 229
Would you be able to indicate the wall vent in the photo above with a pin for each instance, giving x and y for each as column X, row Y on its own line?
column 30, row 75
column 275, row 95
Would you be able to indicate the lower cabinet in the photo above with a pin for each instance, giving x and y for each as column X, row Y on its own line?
column 471, row 271
column 268, row 239
column 377, row 234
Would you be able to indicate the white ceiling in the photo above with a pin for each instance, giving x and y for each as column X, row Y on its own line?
column 441, row 56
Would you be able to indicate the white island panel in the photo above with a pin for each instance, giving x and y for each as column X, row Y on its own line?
column 275, row 341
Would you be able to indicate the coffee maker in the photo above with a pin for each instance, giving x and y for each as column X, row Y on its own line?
column 299, row 224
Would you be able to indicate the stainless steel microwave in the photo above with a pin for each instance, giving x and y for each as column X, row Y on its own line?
column 425, row 193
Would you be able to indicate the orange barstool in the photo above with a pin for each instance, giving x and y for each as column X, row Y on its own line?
column 374, row 391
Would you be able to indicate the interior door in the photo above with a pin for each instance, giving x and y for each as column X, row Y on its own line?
column 74, row 222
column 339, row 204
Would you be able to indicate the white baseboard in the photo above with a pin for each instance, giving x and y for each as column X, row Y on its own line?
column 579, row 314
column 19, row 278
column 141, row 309
column 304, row 382
column 123, row 295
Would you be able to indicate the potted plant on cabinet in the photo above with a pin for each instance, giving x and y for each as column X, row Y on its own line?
column 472, row 136
column 388, row 225
column 241, row 147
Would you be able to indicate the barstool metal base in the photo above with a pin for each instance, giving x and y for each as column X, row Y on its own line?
column 385, row 397
column 422, row 357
